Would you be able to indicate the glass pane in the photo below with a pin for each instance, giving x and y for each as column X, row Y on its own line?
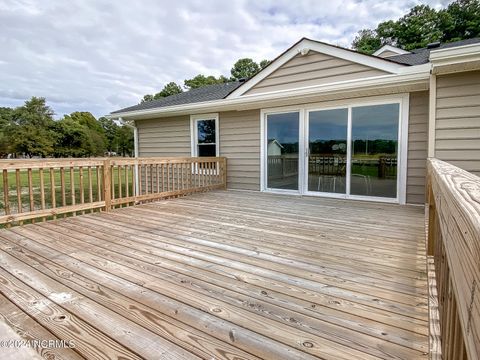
column 327, row 142
column 207, row 150
column 206, row 131
column 282, row 151
column 374, row 150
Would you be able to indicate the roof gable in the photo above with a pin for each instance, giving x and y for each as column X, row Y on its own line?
column 317, row 63
column 388, row 50
column 313, row 69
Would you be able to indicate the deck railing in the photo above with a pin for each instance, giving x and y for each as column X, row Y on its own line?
column 454, row 243
column 45, row 189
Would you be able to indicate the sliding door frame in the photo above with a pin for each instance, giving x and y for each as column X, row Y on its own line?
column 402, row 152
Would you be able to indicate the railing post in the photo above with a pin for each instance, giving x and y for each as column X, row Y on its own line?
column 107, row 184
column 224, row 173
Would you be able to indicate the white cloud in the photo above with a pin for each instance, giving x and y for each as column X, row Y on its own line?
column 99, row 56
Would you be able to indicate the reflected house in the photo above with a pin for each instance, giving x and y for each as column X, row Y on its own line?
column 328, row 121
column 274, row 148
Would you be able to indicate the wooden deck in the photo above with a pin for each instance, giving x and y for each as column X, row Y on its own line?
column 223, row 275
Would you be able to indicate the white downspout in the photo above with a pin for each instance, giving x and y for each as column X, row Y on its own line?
column 135, row 152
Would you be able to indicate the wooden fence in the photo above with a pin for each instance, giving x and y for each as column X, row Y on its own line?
column 45, row 189
column 454, row 243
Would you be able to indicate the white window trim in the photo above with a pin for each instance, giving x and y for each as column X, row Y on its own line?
column 194, row 119
column 401, row 99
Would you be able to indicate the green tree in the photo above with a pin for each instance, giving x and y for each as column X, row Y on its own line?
column 264, row 63
column 73, row 139
column 423, row 25
column 461, row 20
column 243, row 69
column 367, row 41
column 110, row 129
column 32, row 132
column 93, row 129
column 202, row 80
column 171, row 88
column 6, row 122
column 124, row 141
column 418, row 28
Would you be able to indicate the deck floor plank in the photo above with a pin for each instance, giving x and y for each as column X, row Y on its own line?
column 229, row 274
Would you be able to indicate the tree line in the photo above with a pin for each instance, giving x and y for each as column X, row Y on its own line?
column 30, row 130
column 423, row 25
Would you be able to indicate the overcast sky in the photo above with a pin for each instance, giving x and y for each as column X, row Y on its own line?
column 99, row 56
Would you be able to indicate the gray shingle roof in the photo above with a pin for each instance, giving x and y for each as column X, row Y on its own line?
column 420, row 56
column 206, row 93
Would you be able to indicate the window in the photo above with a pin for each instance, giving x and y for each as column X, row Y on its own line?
column 204, row 129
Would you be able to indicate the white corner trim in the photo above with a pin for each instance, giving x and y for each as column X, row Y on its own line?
column 391, row 48
column 403, row 151
column 371, row 61
column 432, row 114
column 194, row 134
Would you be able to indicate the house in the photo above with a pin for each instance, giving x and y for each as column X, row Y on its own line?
column 381, row 115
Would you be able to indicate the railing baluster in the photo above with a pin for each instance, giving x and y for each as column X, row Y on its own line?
column 19, row 193
column 6, row 200
column 112, row 182
column 90, row 187
column 62, row 185
column 158, row 177
column 140, row 173
column 42, row 191
column 82, row 190
column 72, row 188
column 52, row 191
column 119, row 173
column 151, row 179
column 30, row 192
column 163, row 178
column 168, row 176
column 99, row 183
column 126, row 181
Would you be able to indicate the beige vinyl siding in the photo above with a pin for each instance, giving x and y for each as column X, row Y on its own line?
column 457, row 127
column 240, row 144
column 417, row 147
column 164, row 137
column 313, row 69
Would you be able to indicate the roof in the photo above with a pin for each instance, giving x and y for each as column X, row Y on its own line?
column 421, row 56
column 205, row 93
column 222, row 91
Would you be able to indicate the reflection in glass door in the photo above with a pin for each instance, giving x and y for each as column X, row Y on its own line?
column 374, row 150
column 327, row 151
column 283, row 150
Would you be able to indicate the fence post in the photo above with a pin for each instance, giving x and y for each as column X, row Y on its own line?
column 107, row 184
column 224, row 173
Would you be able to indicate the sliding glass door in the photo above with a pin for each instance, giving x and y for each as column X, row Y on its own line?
column 349, row 152
column 327, row 151
column 283, row 134
column 374, row 150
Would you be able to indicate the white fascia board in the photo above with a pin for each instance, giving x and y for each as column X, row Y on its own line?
column 465, row 51
column 229, row 104
column 462, row 58
column 367, row 60
column 392, row 49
